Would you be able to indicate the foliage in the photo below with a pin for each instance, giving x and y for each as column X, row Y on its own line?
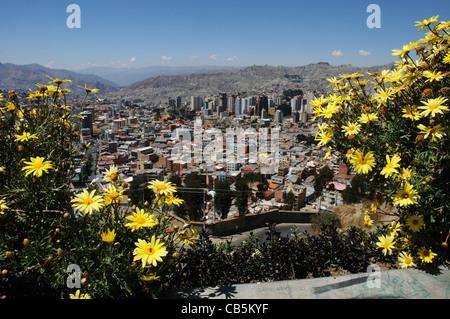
column 47, row 226
column 276, row 258
column 397, row 134
column 325, row 219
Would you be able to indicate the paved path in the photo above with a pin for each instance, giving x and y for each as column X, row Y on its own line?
column 392, row 284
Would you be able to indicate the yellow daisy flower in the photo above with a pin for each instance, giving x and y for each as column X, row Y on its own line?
column 111, row 175
column 415, row 223
column 405, row 260
column 173, row 200
column 433, row 107
column 149, row 253
column 162, row 187
column 324, row 137
column 150, row 278
column 432, row 76
column 351, row 128
column 3, row 206
column 411, row 112
column 394, row 228
column 114, row 194
column 37, row 166
column 88, row 90
column 406, row 196
column 426, row 255
column 436, row 132
column 24, row 137
column 362, row 164
column 109, row 236
column 88, row 202
column 423, row 24
column 447, row 58
column 391, row 166
column 78, row 295
column 140, row 219
column 367, row 118
column 387, row 243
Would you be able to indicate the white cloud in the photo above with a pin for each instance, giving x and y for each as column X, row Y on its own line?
column 213, row 57
column 337, row 53
column 194, row 57
column 231, row 58
column 49, row 64
column 363, row 52
column 133, row 59
column 166, row 59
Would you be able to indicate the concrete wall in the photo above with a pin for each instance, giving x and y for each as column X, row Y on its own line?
column 253, row 221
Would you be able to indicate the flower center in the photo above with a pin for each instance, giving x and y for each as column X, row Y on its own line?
column 149, row 251
column 390, row 165
column 386, row 245
column 140, row 220
column 113, row 176
column 363, row 161
column 415, row 222
column 432, row 106
column 88, row 201
column 405, row 195
column 114, row 195
column 407, row 261
column 162, row 187
column 38, row 165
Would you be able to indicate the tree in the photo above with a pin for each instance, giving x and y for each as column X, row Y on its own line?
column 194, row 195
column 242, row 194
column 223, row 198
column 289, row 201
column 321, row 179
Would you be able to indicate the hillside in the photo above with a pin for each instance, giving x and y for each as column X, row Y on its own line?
column 24, row 77
column 250, row 80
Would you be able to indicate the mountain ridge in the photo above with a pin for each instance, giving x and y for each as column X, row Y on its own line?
column 25, row 77
column 248, row 80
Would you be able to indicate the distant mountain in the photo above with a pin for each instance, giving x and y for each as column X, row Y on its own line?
column 127, row 76
column 24, row 77
column 249, row 80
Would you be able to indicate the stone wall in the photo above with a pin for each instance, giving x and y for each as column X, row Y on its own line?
column 253, row 221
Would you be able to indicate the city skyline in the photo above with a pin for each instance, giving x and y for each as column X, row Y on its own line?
column 197, row 33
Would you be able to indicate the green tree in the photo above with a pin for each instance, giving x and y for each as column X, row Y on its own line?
column 289, row 201
column 194, row 194
column 242, row 194
column 223, row 198
column 321, row 179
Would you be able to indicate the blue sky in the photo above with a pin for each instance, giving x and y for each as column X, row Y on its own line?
column 198, row 32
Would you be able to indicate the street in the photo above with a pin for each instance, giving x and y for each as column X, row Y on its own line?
column 285, row 229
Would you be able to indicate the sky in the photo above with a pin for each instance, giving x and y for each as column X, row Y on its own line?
column 142, row 33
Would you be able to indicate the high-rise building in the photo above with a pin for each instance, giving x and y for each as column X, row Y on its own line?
column 278, row 118
column 295, row 104
column 196, row 103
column 261, row 104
